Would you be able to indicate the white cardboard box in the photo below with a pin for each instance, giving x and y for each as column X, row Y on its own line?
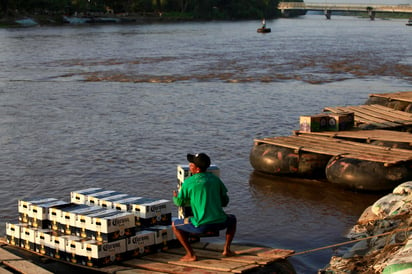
column 13, row 233
column 141, row 243
column 80, row 196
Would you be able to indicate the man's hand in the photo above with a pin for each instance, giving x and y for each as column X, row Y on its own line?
column 174, row 193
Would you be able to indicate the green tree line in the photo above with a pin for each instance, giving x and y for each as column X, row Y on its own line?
column 197, row 9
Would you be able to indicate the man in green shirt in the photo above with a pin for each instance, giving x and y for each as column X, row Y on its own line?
column 207, row 195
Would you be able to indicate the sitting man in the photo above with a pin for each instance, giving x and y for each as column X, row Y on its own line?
column 206, row 194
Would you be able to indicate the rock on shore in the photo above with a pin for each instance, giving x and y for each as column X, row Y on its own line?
column 386, row 227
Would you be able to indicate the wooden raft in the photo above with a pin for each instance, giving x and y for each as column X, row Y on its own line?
column 341, row 148
column 405, row 96
column 376, row 115
column 15, row 263
column 210, row 260
column 365, row 135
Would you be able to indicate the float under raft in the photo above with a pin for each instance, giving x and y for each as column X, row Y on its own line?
column 250, row 259
column 349, row 164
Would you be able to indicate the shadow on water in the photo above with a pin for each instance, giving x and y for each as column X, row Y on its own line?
column 311, row 190
column 304, row 214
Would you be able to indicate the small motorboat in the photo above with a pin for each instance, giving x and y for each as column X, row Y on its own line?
column 409, row 22
column 263, row 30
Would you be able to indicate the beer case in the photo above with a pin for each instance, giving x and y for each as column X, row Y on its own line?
column 67, row 218
column 95, row 198
column 109, row 225
column 27, row 238
column 13, row 233
column 183, row 172
column 125, row 204
column 150, row 212
column 96, row 254
column 80, row 196
column 23, row 206
column 164, row 236
column 143, row 242
column 108, row 202
column 38, row 215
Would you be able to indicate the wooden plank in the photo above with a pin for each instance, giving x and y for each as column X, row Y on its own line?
column 199, row 252
column 26, row 267
column 277, row 253
column 217, row 265
column 167, row 268
column 365, row 116
column 366, row 135
column 4, row 271
column 390, row 111
column 6, row 255
column 139, row 271
column 239, row 249
column 105, row 269
column 376, row 115
column 335, row 147
column 405, row 96
column 208, row 264
column 249, row 259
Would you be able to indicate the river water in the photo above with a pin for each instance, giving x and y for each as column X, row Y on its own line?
column 119, row 106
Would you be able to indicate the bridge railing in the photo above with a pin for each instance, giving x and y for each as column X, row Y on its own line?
column 345, row 7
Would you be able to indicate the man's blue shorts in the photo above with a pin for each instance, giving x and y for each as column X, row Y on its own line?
column 187, row 226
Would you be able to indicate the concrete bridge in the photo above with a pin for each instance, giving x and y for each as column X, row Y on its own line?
column 289, row 7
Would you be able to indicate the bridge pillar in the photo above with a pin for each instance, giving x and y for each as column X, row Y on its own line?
column 372, row 14
column 328, row 14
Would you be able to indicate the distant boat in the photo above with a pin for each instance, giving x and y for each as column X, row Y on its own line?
column 85, row 20
column 263, row 30
column 27, row 22
column 409, row 22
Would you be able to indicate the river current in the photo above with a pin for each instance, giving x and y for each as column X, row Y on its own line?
column 120, row 106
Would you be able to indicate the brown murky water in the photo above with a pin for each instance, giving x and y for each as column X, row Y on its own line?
column 119, row 106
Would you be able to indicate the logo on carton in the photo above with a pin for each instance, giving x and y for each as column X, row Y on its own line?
column 120, row 221
column 156, row 208
column 111, row 246
column 140, row 240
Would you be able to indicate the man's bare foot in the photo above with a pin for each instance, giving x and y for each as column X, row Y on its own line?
column 188, row 258
column 228, row 253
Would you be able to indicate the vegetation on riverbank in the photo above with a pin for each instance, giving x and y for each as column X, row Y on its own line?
column 189, row 9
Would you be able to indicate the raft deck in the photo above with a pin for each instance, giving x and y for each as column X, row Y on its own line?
column 210, row 260
column 405, row 96
column 366, row 136
column 341, row 148
column 376, row 115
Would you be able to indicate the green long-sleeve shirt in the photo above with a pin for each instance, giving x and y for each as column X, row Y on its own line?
column 207, row 195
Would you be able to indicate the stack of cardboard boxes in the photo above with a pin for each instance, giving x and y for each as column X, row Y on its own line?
column 96, row 228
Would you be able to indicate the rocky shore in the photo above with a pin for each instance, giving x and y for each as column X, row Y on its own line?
column 386, row 228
